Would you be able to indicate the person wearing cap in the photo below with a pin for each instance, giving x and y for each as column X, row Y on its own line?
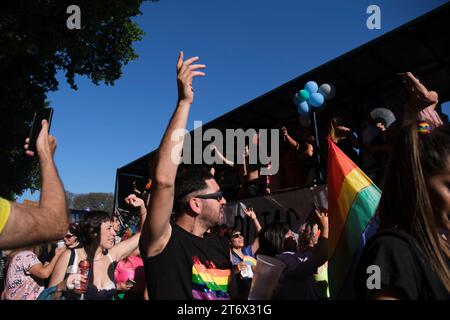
column 25, row 225
column 384, row 119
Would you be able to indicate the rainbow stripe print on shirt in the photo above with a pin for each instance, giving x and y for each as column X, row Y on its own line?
column 208, row 282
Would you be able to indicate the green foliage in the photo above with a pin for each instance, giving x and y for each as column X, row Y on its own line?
column 34, row 44
column 93, row 200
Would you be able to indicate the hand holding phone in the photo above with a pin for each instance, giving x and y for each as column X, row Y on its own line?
column 36, row 128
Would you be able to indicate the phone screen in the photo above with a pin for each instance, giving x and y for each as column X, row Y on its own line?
column 45, row 113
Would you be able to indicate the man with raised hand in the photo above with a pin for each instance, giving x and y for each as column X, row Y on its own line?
column 180, row 262
column 24, row 225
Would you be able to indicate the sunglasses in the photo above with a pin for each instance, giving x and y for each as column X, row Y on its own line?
column 236, row 235
column 216, row 195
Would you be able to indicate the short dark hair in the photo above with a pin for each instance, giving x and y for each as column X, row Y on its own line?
column 89, row 226
column 271, row 238
column 231, row 232
column 189, row 180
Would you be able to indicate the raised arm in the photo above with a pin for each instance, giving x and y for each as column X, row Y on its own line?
column 294, row 144
column 252, row 215
column 156, row 232
column 419, row 93
column 320, row 252
column 59, row 271
column 126, row 247
column 221, row 156
column 29, row 225
column 44, row 271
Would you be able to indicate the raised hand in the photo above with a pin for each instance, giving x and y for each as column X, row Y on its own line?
column 420, row 96
column 134, row 201
column 340, row 133
column 322, row 215
column 60, row 251
column 250, row 213
column 186, row 71
column 45, row 143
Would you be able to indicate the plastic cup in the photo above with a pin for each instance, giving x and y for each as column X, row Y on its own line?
column 265, row 278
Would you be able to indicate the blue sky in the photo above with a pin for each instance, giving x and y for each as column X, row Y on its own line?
column 249, row 47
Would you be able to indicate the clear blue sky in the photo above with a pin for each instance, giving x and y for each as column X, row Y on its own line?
column 249, row 47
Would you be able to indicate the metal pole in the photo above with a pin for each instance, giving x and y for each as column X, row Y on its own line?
column 319, row 174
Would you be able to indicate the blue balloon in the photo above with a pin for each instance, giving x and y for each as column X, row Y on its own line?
column 311, row 86
column 316, row 99
column 303, row 108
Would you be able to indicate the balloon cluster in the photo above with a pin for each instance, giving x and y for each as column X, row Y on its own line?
column 312, row 97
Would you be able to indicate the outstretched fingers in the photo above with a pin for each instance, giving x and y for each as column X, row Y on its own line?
column 191, row 70
column 186, row 64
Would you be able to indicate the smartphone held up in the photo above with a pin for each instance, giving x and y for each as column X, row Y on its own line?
column 41, row 114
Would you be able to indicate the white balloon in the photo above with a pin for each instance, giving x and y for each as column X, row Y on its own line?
column 327, row 90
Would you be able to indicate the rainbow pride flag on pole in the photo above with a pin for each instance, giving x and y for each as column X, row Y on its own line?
column 352, row 202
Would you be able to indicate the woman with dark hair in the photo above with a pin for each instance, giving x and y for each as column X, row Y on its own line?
column 410, row 249
column 97, row 235
column 71, row 239
column 238, row 250
column 243, row 257
column 296, row 282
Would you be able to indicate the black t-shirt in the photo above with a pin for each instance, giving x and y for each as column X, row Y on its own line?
column 296, row 281
column 189, row 267
column 402, row 267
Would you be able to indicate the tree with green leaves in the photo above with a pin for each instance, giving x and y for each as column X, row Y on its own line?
column 35, row 43
column 93, row 201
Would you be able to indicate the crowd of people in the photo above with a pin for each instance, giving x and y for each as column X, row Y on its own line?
column 180, row 252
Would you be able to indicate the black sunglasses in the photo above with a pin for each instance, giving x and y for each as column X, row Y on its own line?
column 216, row 195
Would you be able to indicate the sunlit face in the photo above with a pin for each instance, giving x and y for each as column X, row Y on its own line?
column 107, row 235
column 237, row 240
column 439, row 190
column 212, row 209
column 116, row 224
column 70, row 240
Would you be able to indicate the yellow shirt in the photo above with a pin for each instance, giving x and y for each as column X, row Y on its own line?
column 321, row 279
column 5, row 209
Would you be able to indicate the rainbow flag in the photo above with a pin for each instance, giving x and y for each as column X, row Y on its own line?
column 209, row 283
column 249, row 261
column 352, row 202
